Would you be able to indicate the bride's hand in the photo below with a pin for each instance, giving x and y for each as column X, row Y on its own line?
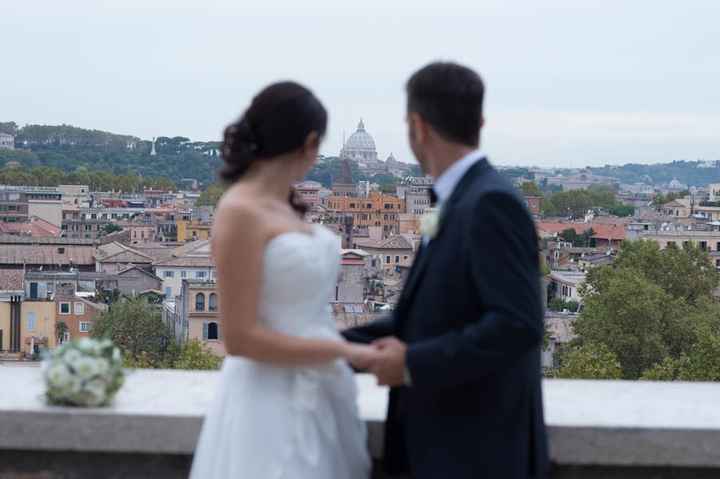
column 360, row 356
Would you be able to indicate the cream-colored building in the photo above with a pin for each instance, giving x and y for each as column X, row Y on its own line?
column 199, row 311
column 190, row 261
column 49, row 210
column 37, row 325
column 4, row 325
column 75, row 196
column 566, row 284
column 679, row 208
column 705, row 240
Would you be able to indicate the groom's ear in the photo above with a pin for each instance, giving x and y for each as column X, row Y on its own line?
column 418, row 127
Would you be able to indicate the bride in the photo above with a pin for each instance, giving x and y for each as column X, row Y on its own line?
column 286, row 401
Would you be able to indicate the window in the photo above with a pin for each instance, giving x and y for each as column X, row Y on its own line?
column 168, row 292
column 183, row 274
column 212, row 302
column 397, row 259
column 671, row 244
column 703, row 245
column 212, row 331
column 169, row 274
column 84, row 327
column 79, row 308
column 200, row 274
column 31, row 321
column 61, row 250
column 200, row 302
column 64, row 308
column 387, row 259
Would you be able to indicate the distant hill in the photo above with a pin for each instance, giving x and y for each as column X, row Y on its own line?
column 69, row 148
column 691, row 173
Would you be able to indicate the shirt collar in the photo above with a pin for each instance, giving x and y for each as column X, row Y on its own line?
column 445, row 183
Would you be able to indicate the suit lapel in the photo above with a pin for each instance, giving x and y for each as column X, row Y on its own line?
column 424, row 254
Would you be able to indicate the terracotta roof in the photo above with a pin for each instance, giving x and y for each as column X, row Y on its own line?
column 602, row 231
column 11, row 279
column 157, row 251
column 41, row 254
column 6, row 239
column 194, row 255
column 393, row 242
column 35, row 227
column 128, row 256
column 144, row 271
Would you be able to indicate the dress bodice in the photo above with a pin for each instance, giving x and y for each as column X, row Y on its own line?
column 299, row 273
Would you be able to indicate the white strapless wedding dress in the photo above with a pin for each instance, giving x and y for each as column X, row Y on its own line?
column 269, row 422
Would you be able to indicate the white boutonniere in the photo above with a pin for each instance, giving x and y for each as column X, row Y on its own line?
column 430, row 223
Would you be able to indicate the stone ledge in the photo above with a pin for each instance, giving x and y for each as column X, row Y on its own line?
column 591, row 423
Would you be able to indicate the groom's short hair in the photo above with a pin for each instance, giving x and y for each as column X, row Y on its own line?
column 450, row 98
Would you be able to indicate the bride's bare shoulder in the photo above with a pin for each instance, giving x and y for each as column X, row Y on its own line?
column 238, row 211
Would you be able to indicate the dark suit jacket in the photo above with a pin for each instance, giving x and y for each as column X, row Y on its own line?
column 471, row 314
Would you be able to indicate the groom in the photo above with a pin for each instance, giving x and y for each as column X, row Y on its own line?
column 462, row 349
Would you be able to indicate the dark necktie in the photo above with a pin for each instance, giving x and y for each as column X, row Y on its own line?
column 433, row 197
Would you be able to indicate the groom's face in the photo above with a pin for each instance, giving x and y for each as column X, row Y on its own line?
column 416, row 139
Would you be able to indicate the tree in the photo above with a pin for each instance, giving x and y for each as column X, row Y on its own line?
column 111, row 228
column 576, row 203
column 622, row 210
column 530, row 188
column 559, row 304
column 685, row 273
column 631, row 316
column 61, row 329
column 211, row 195
column 387, row 182
column 583, row 240
column 589, row 361
column 138, row 330
column 194, row 355
column 655, row 311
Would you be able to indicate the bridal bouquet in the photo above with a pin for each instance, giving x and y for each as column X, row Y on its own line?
column 85, row 373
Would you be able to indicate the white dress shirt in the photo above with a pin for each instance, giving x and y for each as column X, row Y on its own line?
column 445, row 183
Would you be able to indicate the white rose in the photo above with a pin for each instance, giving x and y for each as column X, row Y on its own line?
column 72, row 356
column 87, row 367
column 103, row 366
column 59, row 376
column 74, row 385
column 95, row 392
column 86, row 345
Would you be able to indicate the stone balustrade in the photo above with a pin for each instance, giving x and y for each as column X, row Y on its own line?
column 598, row 429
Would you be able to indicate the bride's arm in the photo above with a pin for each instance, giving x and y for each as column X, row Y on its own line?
column 239, row 243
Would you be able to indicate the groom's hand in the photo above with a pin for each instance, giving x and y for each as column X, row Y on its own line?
column 389, row 364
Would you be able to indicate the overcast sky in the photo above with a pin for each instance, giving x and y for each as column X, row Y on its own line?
column 569, row 83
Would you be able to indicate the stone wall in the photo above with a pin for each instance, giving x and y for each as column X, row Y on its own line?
column 598, row 429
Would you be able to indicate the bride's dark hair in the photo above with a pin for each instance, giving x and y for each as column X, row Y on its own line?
column 278, row 121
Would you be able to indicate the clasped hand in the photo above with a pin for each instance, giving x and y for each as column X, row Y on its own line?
column 385, row 358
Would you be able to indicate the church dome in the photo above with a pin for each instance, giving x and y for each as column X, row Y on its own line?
column 360, row 144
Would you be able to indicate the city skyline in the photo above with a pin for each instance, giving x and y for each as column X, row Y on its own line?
column 568, row 86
